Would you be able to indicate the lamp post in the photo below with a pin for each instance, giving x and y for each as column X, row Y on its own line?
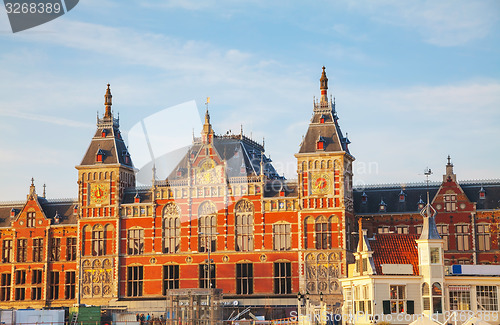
column 299, row 306
column 209, row 271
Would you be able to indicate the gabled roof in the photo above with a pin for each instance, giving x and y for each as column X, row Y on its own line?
column 394, row 249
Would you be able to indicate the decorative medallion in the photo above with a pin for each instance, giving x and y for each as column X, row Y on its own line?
column 263, row 258
column 462, row 206
column 152, row 260
column 189, row 259
column 21, row 222
column 225, row 259
column 438, row 206
column 40, row 222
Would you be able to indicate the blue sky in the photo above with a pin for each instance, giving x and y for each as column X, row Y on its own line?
column 414, row 81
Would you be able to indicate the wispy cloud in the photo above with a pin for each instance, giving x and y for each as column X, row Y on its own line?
column 442, row 23
column 46, row 119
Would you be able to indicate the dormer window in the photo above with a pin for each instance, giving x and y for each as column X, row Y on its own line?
column 126, row 157
column 402, row 196
column 104, row 133
column 322, row 119
column 243, row 168
column 179, row 172
column 75, row 209
column 420, row 204
column 100, row 155
column 12, row 213
column 320, row 144
column 364, row 198
column 482, row 194
column 382, row 206
column 137, row 198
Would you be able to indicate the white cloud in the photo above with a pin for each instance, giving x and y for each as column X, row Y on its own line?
column 442, row 23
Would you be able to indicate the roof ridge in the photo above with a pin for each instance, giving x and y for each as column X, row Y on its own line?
column 423, row 184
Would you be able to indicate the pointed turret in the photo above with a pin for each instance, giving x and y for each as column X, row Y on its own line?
column 323, row 81
column 107, row 104
column 207, row 134
column 449, row 172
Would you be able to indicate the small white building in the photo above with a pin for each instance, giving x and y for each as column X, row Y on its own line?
column 397, row 278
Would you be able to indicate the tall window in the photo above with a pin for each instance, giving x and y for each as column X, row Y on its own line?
column 207, row 227
column 435, row 255
column 7, row 251
column 383, row 229
column 437, row 294
column 171, row 228
column 322, row 233
column 487, row 298
column 462, row 236
column 98, row 248
column 244, row 278
column 36, row 282
column 22, row 250
column 37, row 249
column 443, row 232
column 204, row 276
column 5, row 279
column 71, row 249
column 55, row 249
column 398, row 298
column 244, row 225
column 282, row 237
column 460, row 298
column 69, row 285
column 30, row 219
column 136, row 241
column 450, row 202
column 135, row 277
column 358, row 300
column 19, row 293
column 54, row 285
column 282, row 278
column 483, row 237
column 170, row 278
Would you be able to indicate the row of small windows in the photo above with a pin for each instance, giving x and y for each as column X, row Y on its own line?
column 37, row 252
column 462, row 235
column 35, row 286
column 282, row 274
column 96, row 176
column 319, row 164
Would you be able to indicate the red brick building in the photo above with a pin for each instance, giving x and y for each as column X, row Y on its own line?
column 268, row 238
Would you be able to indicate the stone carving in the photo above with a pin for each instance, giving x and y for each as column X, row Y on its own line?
column 97, row 278
column 322, row 272
column 244, row 206
column 207, row 208
column 171, row 209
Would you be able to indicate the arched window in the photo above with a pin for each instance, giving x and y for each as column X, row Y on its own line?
column 322, row 233
column 437, row 293
column 207, row 227
column 135, row 241
column 243, row 231
column 171, row 228
column 425, row 296
column 98, row 248
column 308, row 233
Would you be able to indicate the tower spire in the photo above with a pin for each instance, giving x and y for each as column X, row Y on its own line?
column 107, row 103
column 323, row 82
column 207, row 134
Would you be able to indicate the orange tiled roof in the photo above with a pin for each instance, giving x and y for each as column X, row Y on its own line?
column 395, row 249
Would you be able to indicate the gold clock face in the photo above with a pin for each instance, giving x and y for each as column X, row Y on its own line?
column 320, row 183
column 206, row 172
column 98, row 193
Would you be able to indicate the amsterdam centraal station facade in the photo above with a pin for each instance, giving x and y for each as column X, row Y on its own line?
column 270, row 240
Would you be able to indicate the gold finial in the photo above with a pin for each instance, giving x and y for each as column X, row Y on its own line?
column 107, row 103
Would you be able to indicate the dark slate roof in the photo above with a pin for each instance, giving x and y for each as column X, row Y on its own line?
column 274, row 187
column 390, row 195
column 144, row 194
column 112, row 144
column 243, row 157
column 329, row 131
column 50, row 207
column 394, row 249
